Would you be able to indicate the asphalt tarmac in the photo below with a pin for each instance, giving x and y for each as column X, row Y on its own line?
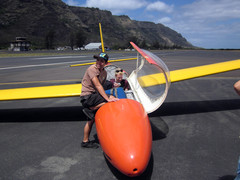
column 196, row 132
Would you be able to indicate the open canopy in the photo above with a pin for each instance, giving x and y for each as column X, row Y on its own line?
column 150, row 81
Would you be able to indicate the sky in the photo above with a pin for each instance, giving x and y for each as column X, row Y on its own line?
column 204, row 23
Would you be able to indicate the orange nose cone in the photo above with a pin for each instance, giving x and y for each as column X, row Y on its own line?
column 125, row 135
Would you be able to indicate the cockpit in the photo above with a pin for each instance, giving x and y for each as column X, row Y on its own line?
column 149, row 82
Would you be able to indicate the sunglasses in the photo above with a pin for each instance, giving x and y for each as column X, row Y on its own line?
column 117, row 71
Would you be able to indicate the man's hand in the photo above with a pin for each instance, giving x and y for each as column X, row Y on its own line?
column 237, row 87
column 112, row 99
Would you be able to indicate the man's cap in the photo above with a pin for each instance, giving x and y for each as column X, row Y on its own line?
column 101, row 55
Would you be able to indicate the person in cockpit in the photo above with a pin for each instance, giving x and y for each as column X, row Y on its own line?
column 119, row 81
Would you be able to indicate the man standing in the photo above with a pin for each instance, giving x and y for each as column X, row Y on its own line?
column 93, row 95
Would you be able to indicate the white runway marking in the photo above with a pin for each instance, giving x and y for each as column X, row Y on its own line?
column 39, row 65
column 60, row 57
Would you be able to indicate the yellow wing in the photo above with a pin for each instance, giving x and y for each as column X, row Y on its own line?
column 189, row 73
column 41, row 92
column 75, row 89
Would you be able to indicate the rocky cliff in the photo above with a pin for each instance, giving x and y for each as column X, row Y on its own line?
column 39, row 19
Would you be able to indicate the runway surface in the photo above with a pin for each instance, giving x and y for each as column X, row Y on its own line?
column 40, row 139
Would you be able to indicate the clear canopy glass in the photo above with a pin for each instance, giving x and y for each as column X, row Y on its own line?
column 150, row 81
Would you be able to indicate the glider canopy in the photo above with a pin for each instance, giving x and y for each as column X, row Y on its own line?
column 150, row 81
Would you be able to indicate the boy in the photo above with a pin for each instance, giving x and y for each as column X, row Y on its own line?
column 93, row 95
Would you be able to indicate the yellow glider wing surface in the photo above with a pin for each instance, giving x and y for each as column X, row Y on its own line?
column 41, row 92
column 190, row 73
column 150, row 80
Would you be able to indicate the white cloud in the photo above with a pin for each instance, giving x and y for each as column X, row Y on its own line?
column 208, row 23
column 72, row 2
column 116, row 6
column 205, row 16
column 164, row 20
column 213, row 9
column 159, row 6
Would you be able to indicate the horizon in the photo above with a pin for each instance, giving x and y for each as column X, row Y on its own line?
column 209, row 24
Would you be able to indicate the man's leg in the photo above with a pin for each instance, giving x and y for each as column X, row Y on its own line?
column 90, row 113
column 87, row 130
column 89, row 124
column 98, row 106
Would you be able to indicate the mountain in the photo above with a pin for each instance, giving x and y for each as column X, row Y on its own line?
column 53, row 21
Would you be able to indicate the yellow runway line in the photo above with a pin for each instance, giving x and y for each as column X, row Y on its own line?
column 84, row 64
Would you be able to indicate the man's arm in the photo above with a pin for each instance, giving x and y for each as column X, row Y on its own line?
column 101, row 91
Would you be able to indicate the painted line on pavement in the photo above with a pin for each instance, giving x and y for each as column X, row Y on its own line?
column 39, row 65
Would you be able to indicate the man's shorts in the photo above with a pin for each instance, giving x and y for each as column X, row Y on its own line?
column 92, row 100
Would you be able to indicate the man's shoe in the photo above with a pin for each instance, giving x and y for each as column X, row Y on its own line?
column 89, row 113
column 89, row 144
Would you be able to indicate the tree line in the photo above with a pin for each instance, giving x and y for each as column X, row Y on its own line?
column 78, row 39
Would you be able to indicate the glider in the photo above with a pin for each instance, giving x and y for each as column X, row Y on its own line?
column 123, row 127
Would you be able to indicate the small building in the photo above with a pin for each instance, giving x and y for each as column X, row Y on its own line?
column 93, row 46
column 20, row 44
